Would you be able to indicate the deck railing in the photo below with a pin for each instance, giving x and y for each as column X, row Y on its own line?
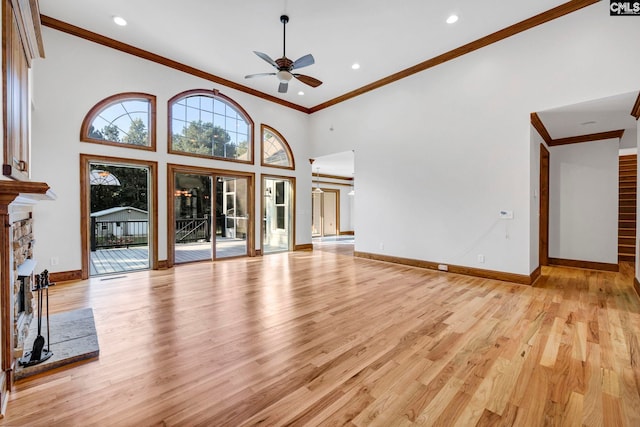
column 193, row 230
column 118, row 234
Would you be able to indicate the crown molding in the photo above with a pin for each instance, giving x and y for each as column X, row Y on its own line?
column 635, row 111
column 144, row 54
column 534, row 21
column 544, row 17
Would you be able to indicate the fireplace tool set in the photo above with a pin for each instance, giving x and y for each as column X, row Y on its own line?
column 38, row 353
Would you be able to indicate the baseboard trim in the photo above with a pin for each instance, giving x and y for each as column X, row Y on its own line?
column 636, row 285
column 591, row 265
column 347, row 233
column 304, row 247
column 258, row 252
column 65, row 276
column 163, row 264
column 521, row 279
column 535, row 275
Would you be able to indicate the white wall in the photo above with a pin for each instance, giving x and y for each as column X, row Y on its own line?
column 583, row 201
column 76, row 75
column 628, row 142
column 457, row 137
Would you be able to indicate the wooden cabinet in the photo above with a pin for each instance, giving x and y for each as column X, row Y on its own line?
column 21, row 42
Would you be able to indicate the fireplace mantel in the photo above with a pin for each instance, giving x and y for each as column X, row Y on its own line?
column 13, row 195
column 23, row 190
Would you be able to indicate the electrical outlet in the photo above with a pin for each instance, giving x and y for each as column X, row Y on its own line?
column 443, row 267
column 504, row 214
column 481, row 258
column 381, row 246
column 55, row 260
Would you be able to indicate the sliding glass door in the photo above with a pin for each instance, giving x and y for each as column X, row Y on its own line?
column 232, row 216
column 193, row 223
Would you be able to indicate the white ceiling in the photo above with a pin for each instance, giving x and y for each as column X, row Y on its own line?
column 219, row 37
column 599, row 115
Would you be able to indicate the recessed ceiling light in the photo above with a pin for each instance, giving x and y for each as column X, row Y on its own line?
column 355, row 66
column 452, row 19
column 301, row 93
column 119, row 20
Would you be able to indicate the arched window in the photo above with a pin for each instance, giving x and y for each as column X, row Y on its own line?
column 125, row 119
column 275, row 149
column 206, row 123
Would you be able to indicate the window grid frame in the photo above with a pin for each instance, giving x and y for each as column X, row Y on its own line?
column 240, row 113
column 109, row 101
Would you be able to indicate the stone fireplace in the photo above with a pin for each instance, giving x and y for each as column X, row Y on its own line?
column 24, row 301
column 17, row 301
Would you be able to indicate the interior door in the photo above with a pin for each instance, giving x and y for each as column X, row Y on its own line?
column 329, row 213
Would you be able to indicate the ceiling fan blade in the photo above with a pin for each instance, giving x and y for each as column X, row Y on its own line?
column 304, row 61
column 308, row 80
column 283, row 87
column 266, row 58
column 250, row 76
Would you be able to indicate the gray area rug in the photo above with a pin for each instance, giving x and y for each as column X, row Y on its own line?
column 73, row 338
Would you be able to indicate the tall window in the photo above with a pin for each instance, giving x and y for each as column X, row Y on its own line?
column 125, row 119
column 275, row 149
column 208, row 124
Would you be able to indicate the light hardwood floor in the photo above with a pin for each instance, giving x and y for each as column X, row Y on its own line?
column 322, row 338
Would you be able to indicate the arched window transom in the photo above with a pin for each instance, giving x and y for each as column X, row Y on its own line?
column 275, row 149
column 125, row 119
column 208, row 124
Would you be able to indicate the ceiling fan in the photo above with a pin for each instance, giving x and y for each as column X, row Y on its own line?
column 285, row 66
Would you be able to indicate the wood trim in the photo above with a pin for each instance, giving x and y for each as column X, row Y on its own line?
column 292, row 181
column 535, row 275
column 347, row 233
column 539, row 126
column 587, row 138
column 172, row 169
column 282, row 139
column 549, row 15
column 149, row 56
column 636, row 285
column 85, row 194
column 583, row 264
column 65, row 276
column 543, row 212
column 108, row 101
column 163, row 264
column 212, row 94
column 343, row 178
column 339, row 184
column 27, row 13
column 458, row 269
column 635, row 111
column 304, row 247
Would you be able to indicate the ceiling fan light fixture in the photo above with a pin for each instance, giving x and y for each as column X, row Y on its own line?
column 284, row 76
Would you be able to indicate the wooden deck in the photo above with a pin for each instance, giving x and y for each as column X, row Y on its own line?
column 323, row 338
column 120, row 260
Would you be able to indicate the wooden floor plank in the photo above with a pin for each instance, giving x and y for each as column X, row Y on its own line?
column 323, row 338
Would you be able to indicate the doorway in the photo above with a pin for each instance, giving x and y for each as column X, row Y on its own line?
column 325, row 219
column 118, row 206
column 209, row 218
column 277, row 214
